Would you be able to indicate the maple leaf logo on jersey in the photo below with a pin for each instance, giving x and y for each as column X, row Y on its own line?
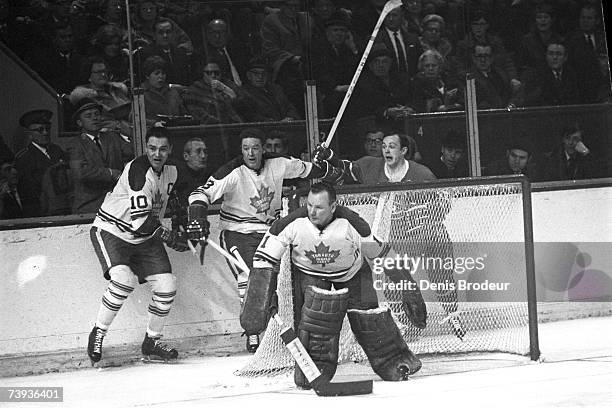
column 157, row 204
column 322, row 255
column 262, row 201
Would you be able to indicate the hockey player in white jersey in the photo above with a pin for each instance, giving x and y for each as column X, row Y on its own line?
column 251, row 188
column 326, row 250
column 128, row 239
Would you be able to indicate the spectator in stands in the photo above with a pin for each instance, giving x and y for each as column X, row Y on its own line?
column 333, row 63
column 431, row 91
column 112, row 97
column 494, row 88
column 44, row 182
column 159, row 98
column 413, row 17
column 108, row 43
column 232, row 60
column 145, row 21
column 379, row 91
column 284, row 39
column 276, row 142
column 404, row 46
column 554, row 83
column 588, row 56
column 372, row 142
column 97, row 158
column 571, row 159
column 433, row 35
column 209, row 100
column 193, row 170
column 479, row 34
column 6, row 154
column 365, row 18
column 518, row 160
column 180, row 64
column 59, row 64
column 452, row 163
column 259, row 100
column 10, row 196
column 533, row 46
column 321, row 11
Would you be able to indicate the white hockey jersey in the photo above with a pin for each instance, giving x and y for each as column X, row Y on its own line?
column 251, row 199
column 135, row 207
column 333, row 253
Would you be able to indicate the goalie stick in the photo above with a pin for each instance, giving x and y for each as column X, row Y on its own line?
column 390, row 5
column 301, row 356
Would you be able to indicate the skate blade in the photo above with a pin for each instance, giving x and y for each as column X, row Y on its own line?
column 157, row 360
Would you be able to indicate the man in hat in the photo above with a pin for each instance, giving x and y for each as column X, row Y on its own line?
column 97, row 158
column 262, row 101
column 517, row 161
column 451, row 163
column 334, row 62
column 34, row 160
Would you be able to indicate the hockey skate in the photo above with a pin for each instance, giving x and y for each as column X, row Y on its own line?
column 94, row 346
column 252, row 343
column 456, row 325
column 155, row 351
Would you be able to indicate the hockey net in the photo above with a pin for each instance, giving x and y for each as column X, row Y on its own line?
column 458, row 220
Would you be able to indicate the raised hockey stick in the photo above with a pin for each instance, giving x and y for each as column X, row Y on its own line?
column 303, row 359
column 391, row 4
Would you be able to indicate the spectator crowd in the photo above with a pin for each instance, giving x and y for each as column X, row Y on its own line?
column 201, row 62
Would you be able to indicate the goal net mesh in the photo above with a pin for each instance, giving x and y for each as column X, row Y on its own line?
column 484, row 222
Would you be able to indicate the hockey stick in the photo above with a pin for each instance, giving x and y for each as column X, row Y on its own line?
column 391, row 4
column 303, row 359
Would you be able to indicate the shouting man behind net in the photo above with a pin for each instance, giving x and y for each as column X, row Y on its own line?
column 417, row 219
column 326, row 250
column 251, row 187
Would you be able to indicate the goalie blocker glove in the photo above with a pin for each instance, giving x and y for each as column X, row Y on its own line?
column 176, row 240
column 198, row 227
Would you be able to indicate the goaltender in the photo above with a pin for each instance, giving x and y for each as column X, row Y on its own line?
column 326, row 250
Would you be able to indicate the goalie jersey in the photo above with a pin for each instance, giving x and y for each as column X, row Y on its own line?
column 251, row 199
column 136, row 205
column 333, row 253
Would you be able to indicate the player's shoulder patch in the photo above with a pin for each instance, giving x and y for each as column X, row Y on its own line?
column 360, row 225
column 281, row 224
column 138, row 173
column 228, row 167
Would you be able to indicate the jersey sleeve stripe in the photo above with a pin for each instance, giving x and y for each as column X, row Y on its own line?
column 265, row 257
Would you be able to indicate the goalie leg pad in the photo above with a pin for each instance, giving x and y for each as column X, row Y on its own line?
column 411, row 299
column 323, row 312
column 255, row 310
column 378, row 335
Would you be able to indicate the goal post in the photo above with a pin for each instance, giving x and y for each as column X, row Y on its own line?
column 468, row 244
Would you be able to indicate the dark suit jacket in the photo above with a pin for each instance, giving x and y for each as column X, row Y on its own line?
column 32, row 164
column 91, row 169
column 63, row 75
column 9, row 207
column 542, row 89
column 585, row 62
column 264, row 104
column 412, row 46
column 558, row 168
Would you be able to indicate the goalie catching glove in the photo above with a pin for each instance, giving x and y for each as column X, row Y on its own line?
column 176, row 240
column 198, row 227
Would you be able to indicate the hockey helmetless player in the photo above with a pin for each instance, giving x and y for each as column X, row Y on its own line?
column 326, row 250
column 251, row 188
column 418, row 220
column 128, row 239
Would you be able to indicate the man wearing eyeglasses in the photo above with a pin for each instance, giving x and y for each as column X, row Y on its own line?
column 33, row 161
column 493, row 86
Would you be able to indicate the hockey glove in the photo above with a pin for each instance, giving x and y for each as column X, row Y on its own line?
column 198, row 228
column 322, row 153
column 176, row 240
